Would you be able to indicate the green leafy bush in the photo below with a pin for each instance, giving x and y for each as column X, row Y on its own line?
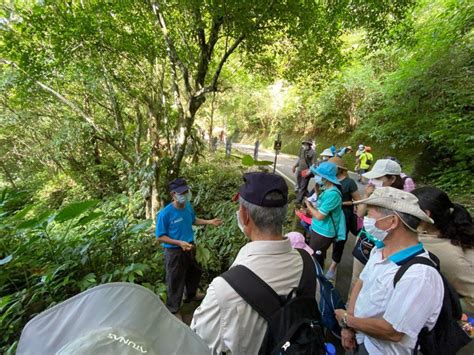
column 48, row 256
column 214, row 184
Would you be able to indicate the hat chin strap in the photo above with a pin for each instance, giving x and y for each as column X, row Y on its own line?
column 401, row 219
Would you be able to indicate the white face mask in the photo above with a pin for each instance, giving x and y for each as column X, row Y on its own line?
column 376, row 183
column 369, row 225
column 239, row 222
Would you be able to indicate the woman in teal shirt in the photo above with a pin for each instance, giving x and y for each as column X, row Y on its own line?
column 327, row 218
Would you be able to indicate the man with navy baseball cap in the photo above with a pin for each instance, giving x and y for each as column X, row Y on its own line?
column 174, row 230
column 224, row 319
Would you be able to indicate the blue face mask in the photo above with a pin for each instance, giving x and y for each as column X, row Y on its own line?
column 319, row 181
column 181, row 199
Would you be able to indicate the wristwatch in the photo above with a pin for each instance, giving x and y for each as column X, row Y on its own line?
column 343, row 322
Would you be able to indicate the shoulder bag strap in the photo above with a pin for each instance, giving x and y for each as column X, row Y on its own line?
column 256, row 292
column 416, row 260
column 307, row 285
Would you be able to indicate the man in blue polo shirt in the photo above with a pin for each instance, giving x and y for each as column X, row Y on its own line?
column 384, row 319
column 174, row 229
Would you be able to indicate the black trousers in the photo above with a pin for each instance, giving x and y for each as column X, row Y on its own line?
column 320, row 244
column 303, row 183
column 183, row 274
column 351, row 226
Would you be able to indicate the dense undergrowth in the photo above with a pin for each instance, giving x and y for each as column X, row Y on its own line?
column 50, row 254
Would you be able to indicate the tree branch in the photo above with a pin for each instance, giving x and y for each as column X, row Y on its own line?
column 213, row 86
column 206, row 52
column 170, row 48
column 99, row 130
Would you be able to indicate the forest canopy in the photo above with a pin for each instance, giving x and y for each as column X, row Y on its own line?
column 103, row 103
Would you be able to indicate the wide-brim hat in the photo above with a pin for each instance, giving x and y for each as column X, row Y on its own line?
column 327, row 153
column 307, row 141
column 383, row 167
column 328, row 171
column 339, row 162
column 396, row 200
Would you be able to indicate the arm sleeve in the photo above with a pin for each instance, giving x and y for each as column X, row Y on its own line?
column 161, row 224
column 407, row 310
column 207, row 322
column 330, row 201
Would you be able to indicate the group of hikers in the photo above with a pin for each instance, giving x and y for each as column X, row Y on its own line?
column 412, row 262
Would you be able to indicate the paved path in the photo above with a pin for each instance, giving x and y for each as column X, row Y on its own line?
column 283, row 167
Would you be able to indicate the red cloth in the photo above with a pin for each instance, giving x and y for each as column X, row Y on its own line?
column 303, row 217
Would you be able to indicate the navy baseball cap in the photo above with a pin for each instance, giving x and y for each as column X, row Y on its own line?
column 258, row 186
column 178, row 185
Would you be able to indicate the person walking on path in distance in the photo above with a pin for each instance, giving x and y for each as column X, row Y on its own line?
column 306, row 159
column 175, row 232
column 358, row 153
column 365, row 161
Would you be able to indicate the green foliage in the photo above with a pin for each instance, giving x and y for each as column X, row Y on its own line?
column 49, row 255
column 410, row 98
column 248, row 161
column 53, row 255
column 427, row 100
column 214, row 184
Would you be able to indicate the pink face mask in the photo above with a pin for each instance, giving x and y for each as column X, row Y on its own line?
column 376, row 183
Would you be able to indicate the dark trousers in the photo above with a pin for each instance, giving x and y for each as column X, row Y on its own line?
column 183, row 274
column 303, row 183
column 351, row 226
column 320, row 245
column 338, row 250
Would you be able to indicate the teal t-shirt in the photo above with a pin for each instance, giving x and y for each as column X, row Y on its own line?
column 176, row 223
column 329, row 203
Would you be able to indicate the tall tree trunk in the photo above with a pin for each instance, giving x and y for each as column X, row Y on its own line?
column 8, row 176
column 195, row 102
column 211, row 121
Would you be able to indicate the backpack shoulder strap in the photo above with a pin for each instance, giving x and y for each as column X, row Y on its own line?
column 256, row 292
column 307, row 285
column 416, row 260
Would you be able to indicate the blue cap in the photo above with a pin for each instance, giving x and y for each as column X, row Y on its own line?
column 258, row 186
column 178, row 185
column 328, row 171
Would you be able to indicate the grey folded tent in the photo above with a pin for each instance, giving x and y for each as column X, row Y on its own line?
column 114, row 318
